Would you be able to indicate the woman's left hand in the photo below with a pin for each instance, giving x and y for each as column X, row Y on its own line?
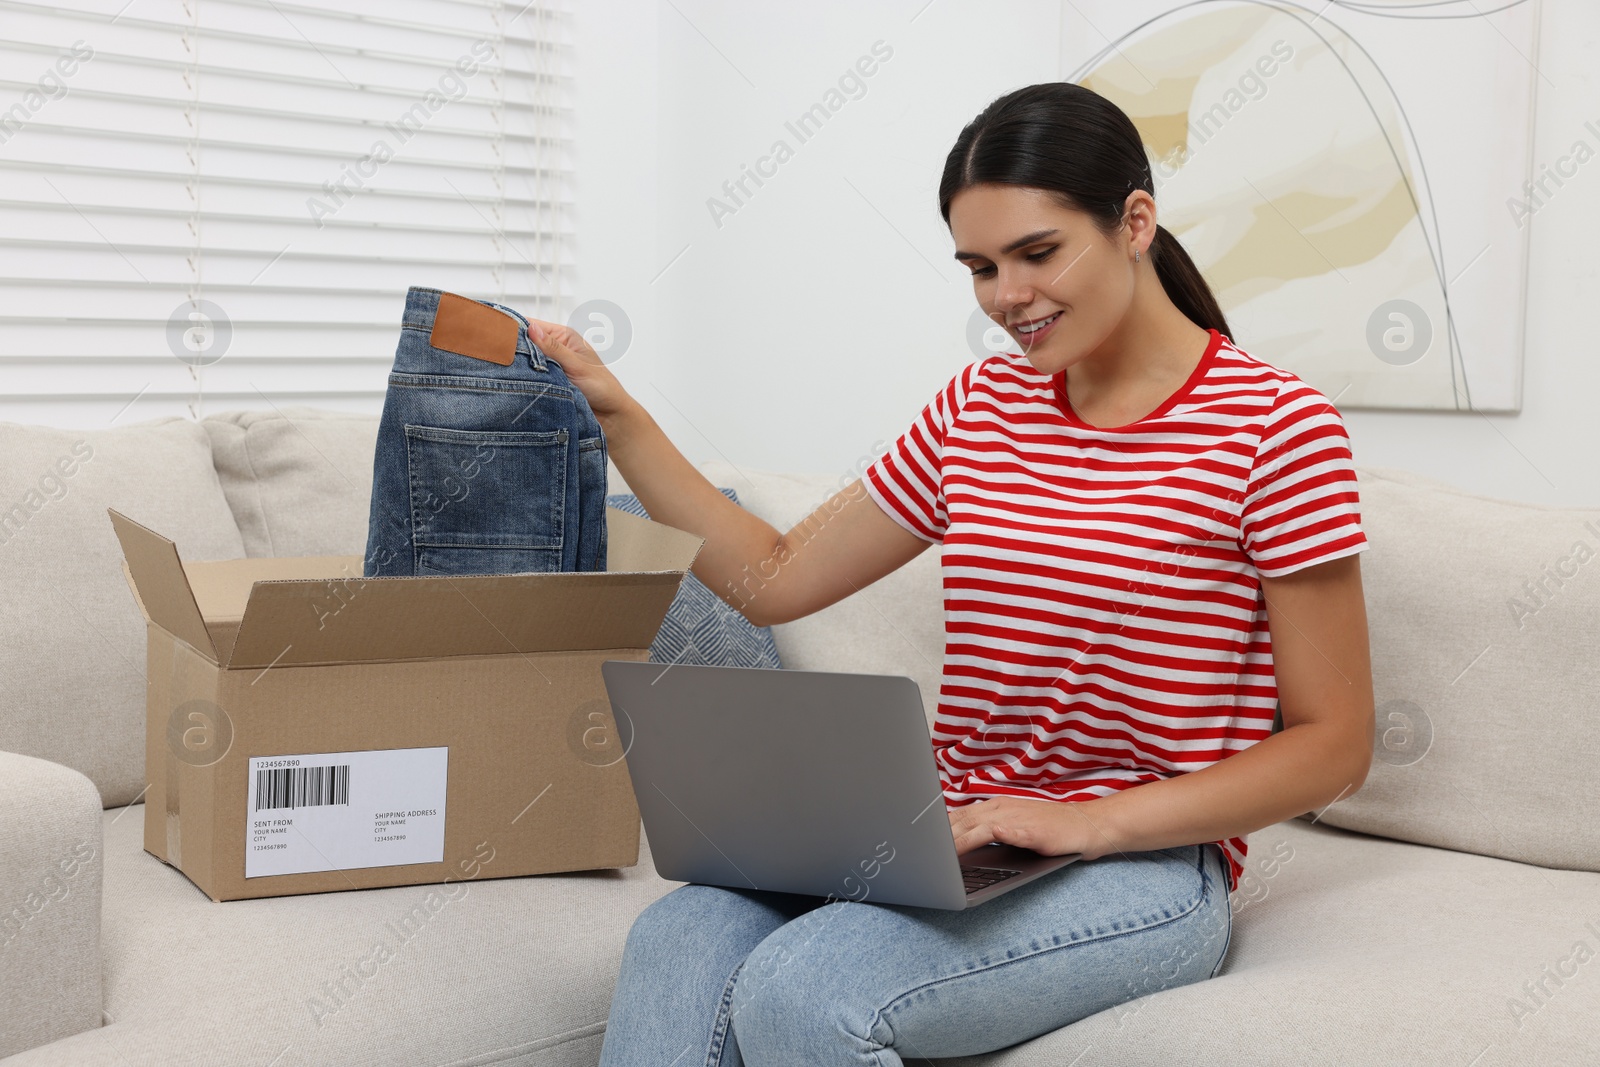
column 1048, row 827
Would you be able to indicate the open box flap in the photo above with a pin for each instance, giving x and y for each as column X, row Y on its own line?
column 310, row 610
column 222, row 587
column 303, row 622
column 636, row 544
column 292, row 623
column 159, row 579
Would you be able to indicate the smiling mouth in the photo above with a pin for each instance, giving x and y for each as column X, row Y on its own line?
column 1028, row 329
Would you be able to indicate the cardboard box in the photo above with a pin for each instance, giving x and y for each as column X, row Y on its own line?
column 310, row 730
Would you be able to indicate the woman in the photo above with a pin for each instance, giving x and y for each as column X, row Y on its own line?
column 1149, row 541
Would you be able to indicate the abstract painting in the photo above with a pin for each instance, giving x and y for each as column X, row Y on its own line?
column 1354, row 179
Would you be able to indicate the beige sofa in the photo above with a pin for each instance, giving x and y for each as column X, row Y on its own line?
column 1448, row 913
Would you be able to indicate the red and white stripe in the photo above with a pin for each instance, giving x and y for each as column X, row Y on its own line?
column 1104, row 621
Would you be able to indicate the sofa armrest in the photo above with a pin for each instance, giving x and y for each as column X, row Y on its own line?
column 50, row 885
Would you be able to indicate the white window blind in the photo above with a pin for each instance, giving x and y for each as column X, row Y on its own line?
column 218, row 204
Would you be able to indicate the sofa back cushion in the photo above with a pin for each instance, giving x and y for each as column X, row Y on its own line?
column 1484, row 617
column 72, row 639
column 299, row 479
column 893, row 626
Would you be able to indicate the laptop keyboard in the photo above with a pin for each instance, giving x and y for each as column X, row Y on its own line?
column 977, row 878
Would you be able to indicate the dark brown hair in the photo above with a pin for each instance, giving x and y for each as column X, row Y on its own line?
column 1084, row 150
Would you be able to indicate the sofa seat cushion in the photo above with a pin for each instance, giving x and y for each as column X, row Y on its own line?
column 1346, row 948
column 72, row 639
column 1349, row 948
column 504, row 971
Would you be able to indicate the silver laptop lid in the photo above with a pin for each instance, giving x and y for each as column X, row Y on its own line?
column 808, row 782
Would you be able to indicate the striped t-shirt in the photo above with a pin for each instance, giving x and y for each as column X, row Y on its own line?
column 1104, row 623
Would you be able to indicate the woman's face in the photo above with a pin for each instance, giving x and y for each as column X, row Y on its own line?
column 1033, row 261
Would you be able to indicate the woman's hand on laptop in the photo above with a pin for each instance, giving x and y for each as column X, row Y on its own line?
column 1048, row 827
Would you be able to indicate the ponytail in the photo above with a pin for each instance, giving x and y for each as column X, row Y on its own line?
column 1185, row 285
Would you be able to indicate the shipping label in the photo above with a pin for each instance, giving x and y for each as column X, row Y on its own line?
column 337, row 811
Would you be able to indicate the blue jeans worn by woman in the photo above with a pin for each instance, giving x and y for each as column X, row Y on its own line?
column 482, row 468
column 714, row 976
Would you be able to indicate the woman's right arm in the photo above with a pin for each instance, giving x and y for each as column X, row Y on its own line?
column 843, row 546
column 846, row 544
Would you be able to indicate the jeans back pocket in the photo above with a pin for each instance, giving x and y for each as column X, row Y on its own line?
column 487, row 501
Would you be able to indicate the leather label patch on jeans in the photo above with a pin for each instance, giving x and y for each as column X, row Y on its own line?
column 469, row 328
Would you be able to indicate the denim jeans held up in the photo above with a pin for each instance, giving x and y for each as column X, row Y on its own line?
column 483, row 468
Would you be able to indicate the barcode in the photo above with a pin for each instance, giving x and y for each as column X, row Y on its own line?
column 302, row 787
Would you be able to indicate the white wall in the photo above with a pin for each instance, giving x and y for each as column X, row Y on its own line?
column 616, row 126
column 820, row 316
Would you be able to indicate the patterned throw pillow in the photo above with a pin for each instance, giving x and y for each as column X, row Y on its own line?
column 700, row 627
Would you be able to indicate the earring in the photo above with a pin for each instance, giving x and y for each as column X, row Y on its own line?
column 1136, row 255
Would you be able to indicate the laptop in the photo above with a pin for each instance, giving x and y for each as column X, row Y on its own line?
column 806, row 782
